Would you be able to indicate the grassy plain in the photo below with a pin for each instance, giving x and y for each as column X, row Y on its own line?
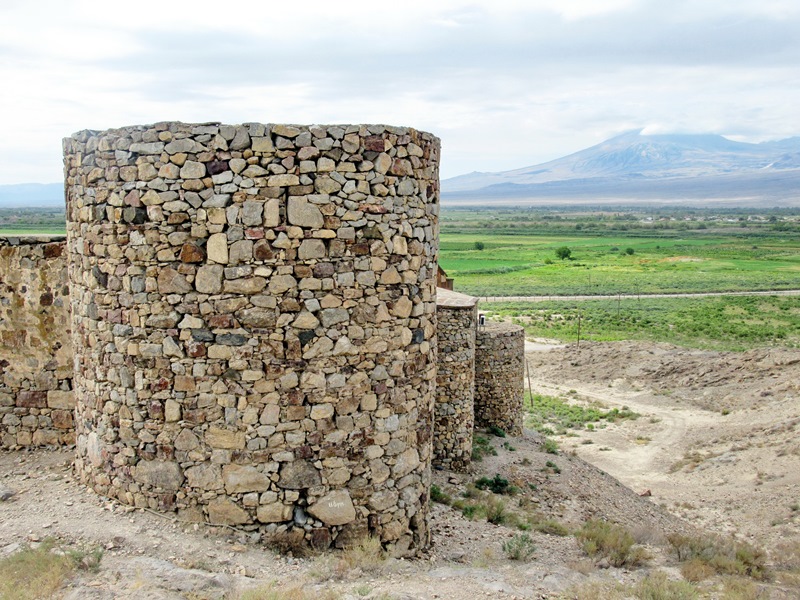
column 512, row 252
column 703, row 252
column 720, row 323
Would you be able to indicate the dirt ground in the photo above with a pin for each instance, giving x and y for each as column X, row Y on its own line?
column 741, row 476
column 717, row 441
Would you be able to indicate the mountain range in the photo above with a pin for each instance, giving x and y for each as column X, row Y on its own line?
column 632, row 167
column 627, row 169
column 22, row 195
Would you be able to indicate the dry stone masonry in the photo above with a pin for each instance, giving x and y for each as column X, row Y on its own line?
column 36, row 401
column 455, row 380
column 254, row 324
column 499, row 372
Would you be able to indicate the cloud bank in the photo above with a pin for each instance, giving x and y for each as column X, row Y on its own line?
column 504, row 84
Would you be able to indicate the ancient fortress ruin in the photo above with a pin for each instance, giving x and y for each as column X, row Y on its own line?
column 248, row 332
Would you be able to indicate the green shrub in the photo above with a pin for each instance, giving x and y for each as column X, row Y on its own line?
column 496, row 484
column 496, row 431
column 437, row 495
column 481, row 447
column 519, row 547
column 496, row 511
column 473, row 512
column 601, row 539
column 722, row 555
column 550, row 527
column 550, row 446
column 656, row 586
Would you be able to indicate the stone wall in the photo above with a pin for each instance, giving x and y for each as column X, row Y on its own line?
column 36, row 401
column 254, row 324
column 455, row 380
column 499, row 376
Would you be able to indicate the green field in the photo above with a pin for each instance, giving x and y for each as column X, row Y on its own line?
column 720, row 323
column 32, row 221
column 518, row 256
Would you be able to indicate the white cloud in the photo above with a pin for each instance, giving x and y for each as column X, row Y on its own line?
column 504, row 84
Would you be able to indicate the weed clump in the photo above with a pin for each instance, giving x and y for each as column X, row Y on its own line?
column 437, row 495
column 550, row 446
column 497, row 485
column 496, row 431
column 601, row 539
column 519, row 547
column 718, row 555
column 482, row 447
column 40, row 572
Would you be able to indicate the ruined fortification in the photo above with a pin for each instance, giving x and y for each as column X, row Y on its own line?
column 36, row 400
column 253, row 333
column 254, row 323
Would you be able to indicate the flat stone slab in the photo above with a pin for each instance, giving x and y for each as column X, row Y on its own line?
column 450, row 299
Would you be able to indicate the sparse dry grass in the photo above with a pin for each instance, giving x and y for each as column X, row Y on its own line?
column 365, row 557
column 737, row 588
column 275, row 591
column 656, row 586
column 601, row 539
column 40, row 572
column 723, row 556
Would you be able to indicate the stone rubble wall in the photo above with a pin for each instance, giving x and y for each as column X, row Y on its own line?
column 455, row 387
column 499, row 376
column 254, row 324
column 36, row 401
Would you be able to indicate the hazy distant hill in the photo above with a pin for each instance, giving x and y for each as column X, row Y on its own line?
column 31, row 194
column 631, row 166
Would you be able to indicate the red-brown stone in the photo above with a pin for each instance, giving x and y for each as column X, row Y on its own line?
column 62, row 419
column 374, row 143
column 221, row 321
column 192, row 254
column 32, row 399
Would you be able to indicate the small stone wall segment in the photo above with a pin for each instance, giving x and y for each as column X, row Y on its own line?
column 254, row 324
column 36, row 400
column 499, row 376
column 455, row 380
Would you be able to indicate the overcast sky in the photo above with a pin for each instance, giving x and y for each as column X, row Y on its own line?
column 505, row 84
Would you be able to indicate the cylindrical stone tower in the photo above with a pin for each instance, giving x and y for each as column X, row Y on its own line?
column 253, row 312
column 499, row 376
column 455, row 380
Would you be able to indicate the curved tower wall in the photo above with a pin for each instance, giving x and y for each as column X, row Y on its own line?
column 455, row 380
column 499, row 376
column 253, row 311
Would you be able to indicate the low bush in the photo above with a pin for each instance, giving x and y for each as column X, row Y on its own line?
column 437, row 495
column 550, row 446
column 724, row 556
column 656, row 586
column 601, row 539
column 481, row 447
column 496, row 511
column 519, row 547
column 496, row 484
column 550, row 527
column 496, row 431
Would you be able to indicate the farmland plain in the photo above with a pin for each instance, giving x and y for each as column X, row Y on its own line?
column 630, row 255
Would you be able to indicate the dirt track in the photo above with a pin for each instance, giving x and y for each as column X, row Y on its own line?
column 717, row 440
